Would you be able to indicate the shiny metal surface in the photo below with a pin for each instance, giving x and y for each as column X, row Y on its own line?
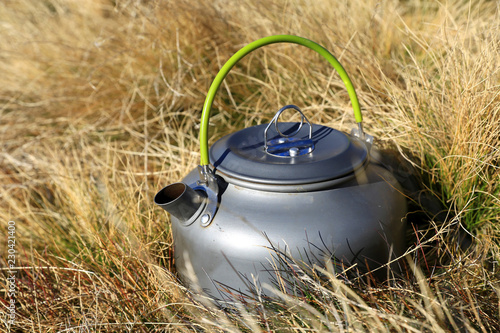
column 357, row 222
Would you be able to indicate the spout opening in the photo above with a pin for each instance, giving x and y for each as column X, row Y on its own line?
column 181, row 201
column 170, row 193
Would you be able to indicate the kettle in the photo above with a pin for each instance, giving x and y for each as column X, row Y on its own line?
column 304, row 190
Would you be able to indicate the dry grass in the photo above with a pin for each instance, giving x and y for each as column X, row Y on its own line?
column 99, row 107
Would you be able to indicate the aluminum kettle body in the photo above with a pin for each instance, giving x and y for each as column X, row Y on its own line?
column 359, row 222
column 260, row 198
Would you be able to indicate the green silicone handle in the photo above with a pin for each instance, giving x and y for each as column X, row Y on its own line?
column 205, row 115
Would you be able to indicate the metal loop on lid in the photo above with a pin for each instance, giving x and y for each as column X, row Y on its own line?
column 288, row 145
column 277, row 116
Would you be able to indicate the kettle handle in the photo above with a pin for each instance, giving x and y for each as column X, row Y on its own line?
column 205, row 115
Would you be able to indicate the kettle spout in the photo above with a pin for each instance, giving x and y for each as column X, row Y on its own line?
column 181, row 201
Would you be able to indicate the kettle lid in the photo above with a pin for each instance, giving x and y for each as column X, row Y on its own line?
column 266, row 155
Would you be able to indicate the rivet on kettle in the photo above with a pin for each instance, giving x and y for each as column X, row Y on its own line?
column 293, row 151
column 205, row 219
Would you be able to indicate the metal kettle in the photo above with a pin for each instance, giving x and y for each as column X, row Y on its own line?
column 303, row 189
